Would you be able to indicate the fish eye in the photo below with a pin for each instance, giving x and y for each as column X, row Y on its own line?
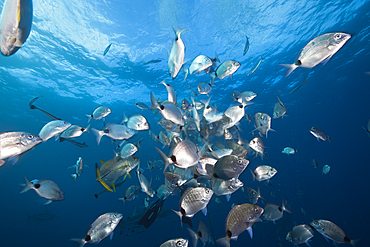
column 179, row 243
column 240, row 161
column 30, row 136
column 256, row 210
column 338, row 36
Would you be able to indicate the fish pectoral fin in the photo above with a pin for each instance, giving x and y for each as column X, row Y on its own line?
column 14, row 159
column 326, row 60
column 2, row 162
column 18, row 43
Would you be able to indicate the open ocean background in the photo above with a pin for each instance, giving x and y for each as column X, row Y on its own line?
column 63, row 60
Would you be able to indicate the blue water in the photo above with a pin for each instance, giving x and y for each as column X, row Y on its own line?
column 63, row 60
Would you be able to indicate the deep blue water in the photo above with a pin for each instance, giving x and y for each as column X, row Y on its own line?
column 63, row 60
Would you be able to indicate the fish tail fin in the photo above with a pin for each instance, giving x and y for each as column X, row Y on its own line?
column 224, row 241
column 123, row 200
column 88, row 117
column 154, row 102
column 80, row 241
column 96, row 196
column 27, row 187
column 87, row 129
column 2, row 162
column 259, row 194
column 98, row 178
column 178, row 31
column 290, row 68
column 285, row 207
column 178, row 213
column 354, row 243
column 74, row 176
column 193, row 236
column 329, row 139
column 254, row 175
column 98, row 133
column 213, row 77
column 164, row 158
column 216, row 58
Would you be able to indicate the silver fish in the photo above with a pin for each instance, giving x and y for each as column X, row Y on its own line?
column 329, row 230
column 45, row 188
column 130, row 194
column 74, row 131
column 114, row 131
column 256, row 67
column 204, row 87
column 178, row 242
column 254, row 195
column 177, row 54
column 141, row 105
column 230, row 166
column 127, row 150
column 14, row 144
column 235, row 114
column 137, row 122
column 262, row 122
column 257, row 145
column 102, row 227
column 289, row 150
column 164, row 139
column 183, row 154
column 279, row 109
column 319, row 134
column 16, row 23
column 211, row 114
column 225, row 69
column 240, row 218
column 274, row 212
column 171, row 92
column 300, row 234
column 263, row 172
column 146, row 186
column 78, row 166
column 223, row 187
column 325, row 169
column 169, row 111
column 298, row 86
column 203, row 234
column 244, row 97
column 318, row 50
column 246, row 47
column 53, row 128
column 199, row 64
column 98, row 113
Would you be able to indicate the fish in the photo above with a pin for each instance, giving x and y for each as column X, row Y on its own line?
column 329, row 230
column 212, row 68
column 102, row 227
column 238, row 149
column 279, row 109
column 192, row 201
column 146, row 186
column 325, row 169
column 137, row 122
column 168, row 110
column 183, row 154
column 78, row 166
column 246, row 47
column 211, row 114
column 199, row 64
column 114, row 131
column 130, row 193
column 240, row 218
column 164, row 139
column 256, row 67
column 99, row 113
column 204, row 87
column 300, row 234
column 16, row 24
column 177, row 54
column 244, row 97
column 14, row 144
column 127, row 150
column 273, row 212
column 319, row 134
column 34, row 99
column 153, row 61
column 226, row 187
column 298, row 86
column 203, row 234
column 254, row 195
column 41, row 217
column 141, row 105
column 257, row 145
column 234, row 114
column 367, row 128
column 318, row 50
column 289, row 150
column 33, row 107
column 185, row 105
column 78, row 144
column 178, row 242
column 171, row 92
column 107, row 49
column 263, row 172
column 74, row 131
column 230, row 166
column 314, row 163
column 226, row 69
column 53, row 128
column 262, row 123
column 45, row 188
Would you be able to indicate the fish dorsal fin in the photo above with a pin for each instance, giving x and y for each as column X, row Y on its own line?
column 102, row 162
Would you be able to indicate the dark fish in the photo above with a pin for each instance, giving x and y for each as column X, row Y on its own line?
column 246, row 47
column 53, row 117
column 319, row 134
column 153, row 61
column 78, row 144
column 107, row 49
column 256, row 67
column 33, row 100
column 314, row 163
column 151, row 215
column 298, row 86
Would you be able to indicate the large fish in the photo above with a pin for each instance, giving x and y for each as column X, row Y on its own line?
column 102, row 227
column 225, row 69
column 262, row 122
column 137, row 122
column 15, row 25
column 318, row 50
column 45, row 188
column 14, row 144
column 53, row 128
column 230, row 166
column 177, row 54
column 226, row 187
column 199, row 64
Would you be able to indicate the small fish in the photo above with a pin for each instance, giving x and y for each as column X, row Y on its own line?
column 102, row 227
column 185, row 105
column 137, row 122
column 130, row 194
column 107, row 49
column 211, row 114
column 178, row 242
column 168, row 111
column 226, row 69
column 244, row 97
column 274, row 212
column 14, row 144
column 218, row 200
column 199, row 64
column 279, row 109
column 45, row 188
column 230, row 166
column 300, row 234
column 329, row 230
column 98, row 113
column 141, row 105
column 214, row 64
column 127, row 150
column 53, row 128
column 303, row 211
column 325, row 169
column 289, row 150
column 153, row 61
column 262, row 123
column 263, row 172
column 78, row 166
column 114, row 131
column 34, row 99
column 256, row 67
column 314, row 163
column 203, row 234
column 164, row 139
column 171, row 92
column 257, row 145
column 318, row 50
column 298, row 86
column 146, row 186
column 74, row 131
column 246, row 47
column 254, row 195
column 177, row 54
column 319, row 134
column 204, row 87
